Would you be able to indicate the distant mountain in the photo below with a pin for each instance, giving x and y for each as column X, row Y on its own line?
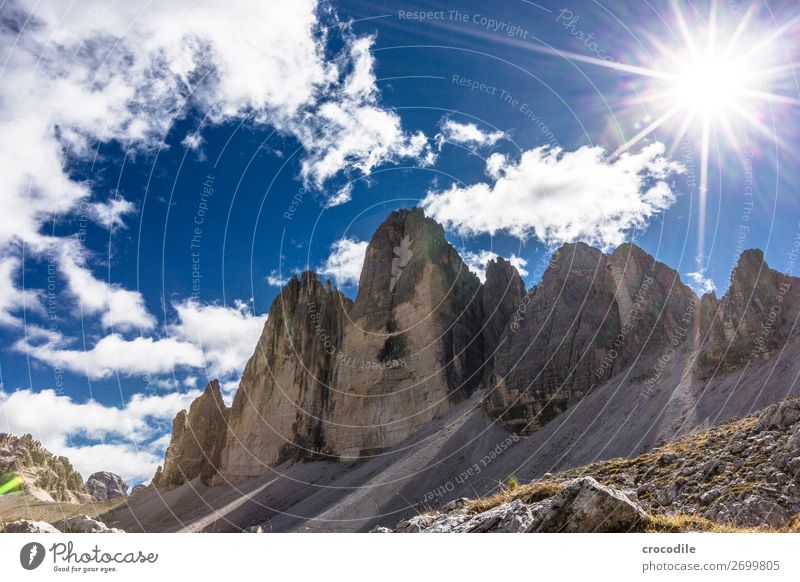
column 104, row 486
column 27, row 467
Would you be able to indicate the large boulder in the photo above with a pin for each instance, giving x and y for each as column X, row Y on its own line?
column 84, row 524
column 513, row 517
column 583, row 506
column 103, row 486
column 781, row 416
column 29, row 526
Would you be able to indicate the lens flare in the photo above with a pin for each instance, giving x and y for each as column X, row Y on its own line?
column 710, row 86
column 12, row 485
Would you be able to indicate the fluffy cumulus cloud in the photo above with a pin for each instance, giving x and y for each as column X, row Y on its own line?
column 345, row 261
column 351, row 131
column 114, row 354
column 477, row 261
column 79, row 74
column 215, row 338
column 467, row 134
column 558, row 196
column 119, row 308
column 118, row 439
column 227, row 336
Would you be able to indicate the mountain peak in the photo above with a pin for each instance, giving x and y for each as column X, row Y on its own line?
column 750, row 262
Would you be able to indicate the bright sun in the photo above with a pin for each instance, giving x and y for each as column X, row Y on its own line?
column 709, row 86
column 714, row 81
column 720, row 77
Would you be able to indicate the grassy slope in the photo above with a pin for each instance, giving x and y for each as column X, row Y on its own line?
column 613, row 472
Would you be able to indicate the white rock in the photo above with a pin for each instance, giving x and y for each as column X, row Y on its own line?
column 29, row 526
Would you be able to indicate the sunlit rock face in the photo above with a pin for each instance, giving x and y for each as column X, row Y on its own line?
column 198, row 437
column 104, row 485
column 341, row 380
column 412, row 345
column 26, row 466
column 279, row 411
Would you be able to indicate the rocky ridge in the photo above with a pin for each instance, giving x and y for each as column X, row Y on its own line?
column 742, row 474
column 26, row 466
column 279, row 411
column 340, row 380
column 197, row 439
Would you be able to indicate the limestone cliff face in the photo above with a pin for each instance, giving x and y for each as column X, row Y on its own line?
column 412, row 345
column 592, row 316
column 502, row 295
column 336, row 379
column 279, row 410
column 26, row 466
column 751, row 321
column 198, row 437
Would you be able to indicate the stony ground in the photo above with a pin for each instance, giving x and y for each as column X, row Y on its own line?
column 742, row 475
column 21, row 507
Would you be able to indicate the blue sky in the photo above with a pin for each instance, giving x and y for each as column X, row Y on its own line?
column 166, row 166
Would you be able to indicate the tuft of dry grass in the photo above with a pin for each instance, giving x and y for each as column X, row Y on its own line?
column 682, row 523
column 530, row 493
column 794, row 527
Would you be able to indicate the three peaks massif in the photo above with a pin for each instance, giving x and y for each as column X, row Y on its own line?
column 432, row 386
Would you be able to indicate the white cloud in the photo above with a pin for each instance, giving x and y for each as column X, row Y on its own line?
column 227, row 336
column 12, row 298
column 467, row 134
column 699, row 283
column 193, row 141
column 119, row 308
column 477, row 261
column 560, row 196
column 343, row 196
column 113, row 354
column 218, row 339
column 276, row 280
column 133, row 464
column 345, row 261
column 118, row 439
column 79, row 74
column 495, row 165
column 109, row 214
column 351, row 131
